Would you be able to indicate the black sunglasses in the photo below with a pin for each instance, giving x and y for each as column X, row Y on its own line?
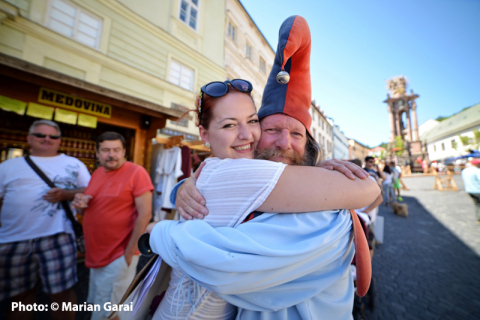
column 42, row 136
column 219, row 89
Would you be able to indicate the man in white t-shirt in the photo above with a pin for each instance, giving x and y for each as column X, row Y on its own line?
column 471, row 180
column 36, row 238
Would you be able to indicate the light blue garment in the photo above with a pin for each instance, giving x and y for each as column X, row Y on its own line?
column 277, row 266
column 471, row 179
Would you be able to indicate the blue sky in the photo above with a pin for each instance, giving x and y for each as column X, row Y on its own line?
column 358, row 45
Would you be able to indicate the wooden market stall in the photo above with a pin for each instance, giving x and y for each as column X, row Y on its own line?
column 83, row 110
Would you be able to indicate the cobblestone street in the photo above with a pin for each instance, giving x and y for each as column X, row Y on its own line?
column 428, row 266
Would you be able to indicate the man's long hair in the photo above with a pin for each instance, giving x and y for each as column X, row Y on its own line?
column 313, row 152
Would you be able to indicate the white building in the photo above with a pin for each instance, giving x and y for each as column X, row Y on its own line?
column 340, row 144
column 454, row 136
column 248, row 55
column 425, row 127
column 321, row 130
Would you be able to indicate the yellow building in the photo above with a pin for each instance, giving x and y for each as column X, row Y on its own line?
column 146, row 61
column 358, row 150
column 248, row 55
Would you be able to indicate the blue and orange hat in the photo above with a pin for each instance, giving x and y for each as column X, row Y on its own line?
column 288, row 88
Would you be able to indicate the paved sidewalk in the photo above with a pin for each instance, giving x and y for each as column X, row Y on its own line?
column 429, row 264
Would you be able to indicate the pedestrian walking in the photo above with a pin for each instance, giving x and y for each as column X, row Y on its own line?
column 471, row 180
column 373, row 168
column 397, row 174
column 388, row 195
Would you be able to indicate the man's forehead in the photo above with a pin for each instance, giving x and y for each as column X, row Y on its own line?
column 45, row 128
column 283, row 121
column 111, row 144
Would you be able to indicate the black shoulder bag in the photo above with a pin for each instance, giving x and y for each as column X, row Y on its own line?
column 77, row 227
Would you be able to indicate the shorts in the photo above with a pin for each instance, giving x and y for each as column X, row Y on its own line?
column 109, row 283
column 53, row 258
column 396, row 184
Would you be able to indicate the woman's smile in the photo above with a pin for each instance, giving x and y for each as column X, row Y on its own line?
column 243, row 148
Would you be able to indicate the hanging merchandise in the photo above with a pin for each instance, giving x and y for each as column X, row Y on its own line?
column 169, row 168
column 172, row 163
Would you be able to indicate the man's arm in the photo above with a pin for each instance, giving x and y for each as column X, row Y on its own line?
column 144, row 209
column 80, row 202
column 57, row 194
column 380, row 172
column 188, row 200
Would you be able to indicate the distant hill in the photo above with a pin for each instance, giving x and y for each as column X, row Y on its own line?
column 383, row 145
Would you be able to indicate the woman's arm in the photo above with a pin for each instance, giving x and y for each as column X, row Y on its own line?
column 304, row 189
column 191, row 204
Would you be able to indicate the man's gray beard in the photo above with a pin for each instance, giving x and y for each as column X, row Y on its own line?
column 295, row 158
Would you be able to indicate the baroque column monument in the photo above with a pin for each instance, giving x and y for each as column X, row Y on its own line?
column 402, row 110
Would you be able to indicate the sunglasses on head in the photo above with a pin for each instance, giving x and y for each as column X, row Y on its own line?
column 42, row 136
column 219, row 89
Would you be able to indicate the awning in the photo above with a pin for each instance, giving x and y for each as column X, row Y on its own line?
column 32, row 73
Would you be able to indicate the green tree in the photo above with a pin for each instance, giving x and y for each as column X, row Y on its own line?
column 454, row 144
column 465, row 140
column 399, row 145
column 476, row 134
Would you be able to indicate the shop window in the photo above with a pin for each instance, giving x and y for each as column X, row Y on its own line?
column 443, row 146
column 189, row 12
column 231, row 31
column 181, row 75
column 248, row 51
column 181, row 122
column 263, row 67
column 76, row 23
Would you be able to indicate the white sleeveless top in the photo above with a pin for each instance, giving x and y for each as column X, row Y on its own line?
column 233, row 188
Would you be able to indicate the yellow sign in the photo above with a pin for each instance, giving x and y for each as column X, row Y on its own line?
column 72, row 102
column 16, row 106
column 87, row 121
column 38, row 111
column 65, row 116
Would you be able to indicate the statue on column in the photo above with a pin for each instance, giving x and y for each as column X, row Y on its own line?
column 400, row 102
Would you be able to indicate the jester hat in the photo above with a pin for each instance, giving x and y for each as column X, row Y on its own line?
column 288, row 88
